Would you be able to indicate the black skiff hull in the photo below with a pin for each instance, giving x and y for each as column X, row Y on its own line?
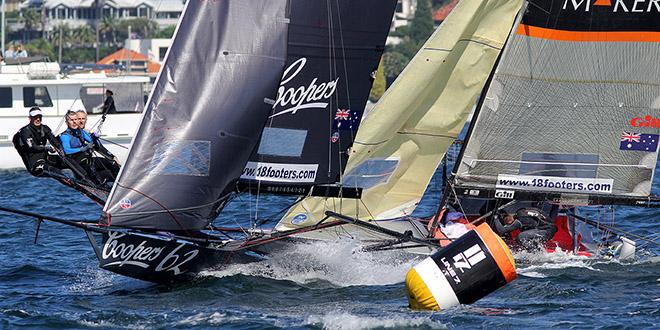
column 160, row 258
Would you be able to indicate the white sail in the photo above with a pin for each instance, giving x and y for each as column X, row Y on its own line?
column 572, row 107
column 401, row 143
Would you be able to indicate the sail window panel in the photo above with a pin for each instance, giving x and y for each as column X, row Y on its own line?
column 282, row 142
column 191, row 158
column 559, row 165
column 36, row 96
column 6, row 99
column 371, row 173
column 92, row 98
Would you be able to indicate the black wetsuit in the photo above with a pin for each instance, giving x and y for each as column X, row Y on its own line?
column 109, row 105
column 31, row 141
column 106, row 163
column 535, row 227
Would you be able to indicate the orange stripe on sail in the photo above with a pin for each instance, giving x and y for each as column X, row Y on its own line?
column 603, row 3
column 544, row 33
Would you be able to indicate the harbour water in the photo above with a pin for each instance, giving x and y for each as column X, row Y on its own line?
column 56, row 283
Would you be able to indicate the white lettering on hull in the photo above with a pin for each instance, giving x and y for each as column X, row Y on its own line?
column 141, row 255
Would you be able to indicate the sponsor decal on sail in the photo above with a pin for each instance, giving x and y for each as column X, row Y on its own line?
column 595, row 21
column 125, row 203
column 299, row 219
column 639, row 142
column 313, row 96
column 647, row 121
column 628, row 6
column 335, row 137
column 554, row 183
column 280, row 172
column 505, row 194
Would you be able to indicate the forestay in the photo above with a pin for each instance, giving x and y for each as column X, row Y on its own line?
column 401, row 143
column 204, row 117
column 333, row 51
column 573, row 104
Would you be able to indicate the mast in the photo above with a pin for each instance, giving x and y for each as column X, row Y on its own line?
column 2, row 19
column 475, row 115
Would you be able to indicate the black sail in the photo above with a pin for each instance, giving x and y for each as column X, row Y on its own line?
column 204, row 117
column 333, row 52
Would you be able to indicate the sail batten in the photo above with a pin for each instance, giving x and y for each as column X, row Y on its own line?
column 204, row 116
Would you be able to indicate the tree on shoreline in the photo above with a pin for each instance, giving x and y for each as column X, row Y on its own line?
column 420, row 28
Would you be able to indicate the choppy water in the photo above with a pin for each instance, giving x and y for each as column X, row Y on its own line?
column 56, row 283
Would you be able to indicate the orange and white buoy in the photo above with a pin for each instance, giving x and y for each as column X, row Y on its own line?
column 463, row 272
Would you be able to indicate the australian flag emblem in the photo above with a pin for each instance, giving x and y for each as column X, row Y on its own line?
column 639, row 142
column 346, row 120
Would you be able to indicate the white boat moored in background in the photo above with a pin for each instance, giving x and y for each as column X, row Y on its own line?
column 41, row 84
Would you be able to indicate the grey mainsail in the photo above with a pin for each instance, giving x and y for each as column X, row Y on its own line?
column 204, row 116
column 571, row 108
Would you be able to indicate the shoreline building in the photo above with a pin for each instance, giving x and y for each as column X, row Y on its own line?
column 77, row 13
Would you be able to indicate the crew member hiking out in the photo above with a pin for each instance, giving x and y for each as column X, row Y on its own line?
column 535, row 227
column 108, row 162
column 78, row 146
column 34, row 142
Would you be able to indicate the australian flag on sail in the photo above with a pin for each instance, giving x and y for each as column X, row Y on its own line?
column 346, row 120
column 639, row 142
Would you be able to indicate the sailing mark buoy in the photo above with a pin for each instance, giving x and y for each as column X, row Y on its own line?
column 465, row 271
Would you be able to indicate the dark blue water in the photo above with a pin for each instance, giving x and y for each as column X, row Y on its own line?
column 56, row 283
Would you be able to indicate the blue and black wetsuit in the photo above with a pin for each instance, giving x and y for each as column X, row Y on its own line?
column 75, row 141
column 78, row 145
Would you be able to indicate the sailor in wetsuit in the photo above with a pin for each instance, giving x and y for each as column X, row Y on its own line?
column 535, row 227
column 78, row 146
column 33, row 142
column 108, row 162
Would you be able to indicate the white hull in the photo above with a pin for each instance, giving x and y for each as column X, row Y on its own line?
column 23, row 86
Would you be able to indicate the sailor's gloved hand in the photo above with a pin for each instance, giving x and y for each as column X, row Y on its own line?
column 87, row 147
column 50, row 148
